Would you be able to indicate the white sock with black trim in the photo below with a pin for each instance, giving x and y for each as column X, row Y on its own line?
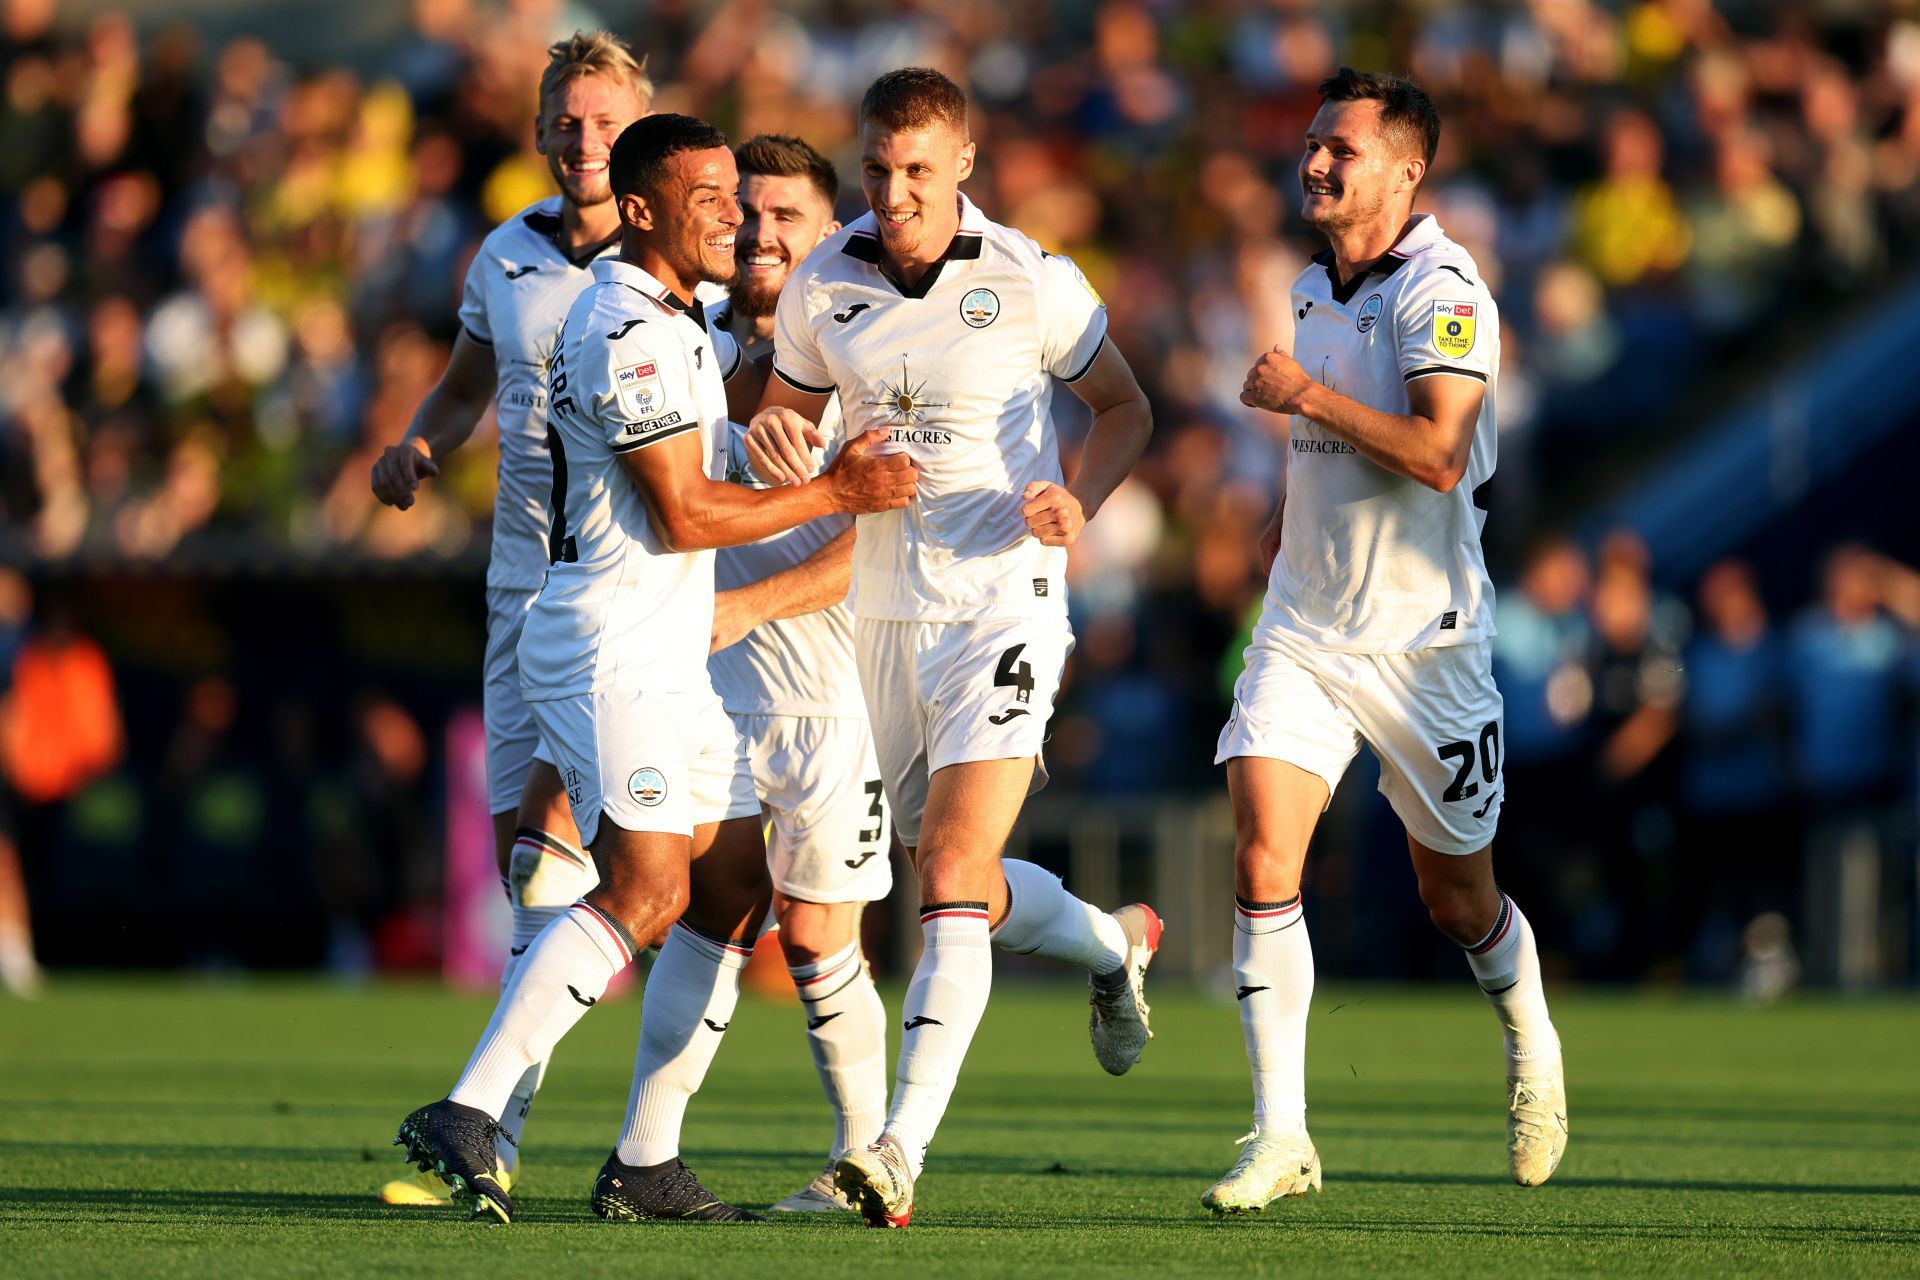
column 562, row 975
column 689, row 1002
column 1506, row 964
column 1273, row 977
column 942, row 1010
column 847, row 1032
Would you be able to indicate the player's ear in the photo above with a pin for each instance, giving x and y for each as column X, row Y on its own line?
column 539, row 133
column 965, row 170
column 1413, row 170
column 827, row 230
column 635, row 212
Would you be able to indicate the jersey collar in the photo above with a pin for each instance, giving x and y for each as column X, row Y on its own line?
column 620, row 271
column 1421, row 231
column 546, row 222
column 864, row 243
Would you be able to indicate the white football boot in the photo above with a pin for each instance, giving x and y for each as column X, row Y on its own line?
column 878, row 1182
column 1536, row 1125
column 818, row 1196
column 1269, row 1169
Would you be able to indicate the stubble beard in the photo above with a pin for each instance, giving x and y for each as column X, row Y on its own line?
column 754, row 301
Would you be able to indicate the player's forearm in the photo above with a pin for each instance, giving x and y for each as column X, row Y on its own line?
column 716, row 514
column 1406, row 444
column 445, row 420
column 816, row 583
column 1114, row 444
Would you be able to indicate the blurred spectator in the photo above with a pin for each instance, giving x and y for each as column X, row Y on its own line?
column 1738, row 839
column 1851, row 688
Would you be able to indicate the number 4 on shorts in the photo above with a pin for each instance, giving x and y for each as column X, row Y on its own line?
column 1013, row 672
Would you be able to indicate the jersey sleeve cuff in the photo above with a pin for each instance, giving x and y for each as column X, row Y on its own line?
column 739, row 360
column 1428, row 370
column 628, row 446
column 485, row 342
column 798, row 385
column 1082, row 371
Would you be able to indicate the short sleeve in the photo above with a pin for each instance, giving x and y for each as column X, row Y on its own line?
column 1444, row 323
column 796, row 353
column 473, row 303
column 1073, row 318
column 727, row 356
column 636, row 386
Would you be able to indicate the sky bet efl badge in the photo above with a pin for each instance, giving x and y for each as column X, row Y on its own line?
column 1453, row 328
column 639, row 387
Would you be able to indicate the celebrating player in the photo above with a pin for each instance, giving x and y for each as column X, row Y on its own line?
column 946, row 331
column 1376, row 622
column 518, row 289
column 613, row 662
column 783, row 665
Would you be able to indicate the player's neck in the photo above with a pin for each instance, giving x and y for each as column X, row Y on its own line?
column 581, row 226
column 907, row 272
column 641, row 255
column 1356, row 248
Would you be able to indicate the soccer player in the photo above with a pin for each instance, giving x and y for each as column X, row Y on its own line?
column 527, row 273
column 1376, row 622
column 947, row 331
column 613, row 663
column 783, row 665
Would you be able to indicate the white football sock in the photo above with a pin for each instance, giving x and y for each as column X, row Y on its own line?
column 1506, row 964
column 545, row 876
column 940, row 1014
column 847, row 1031
column 1273, row 977
column 562, row 974
column 689, row 1001
column 1044, row 919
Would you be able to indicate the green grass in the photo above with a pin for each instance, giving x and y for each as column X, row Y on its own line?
column 167, row 1128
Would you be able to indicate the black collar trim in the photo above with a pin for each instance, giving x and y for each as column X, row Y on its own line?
column 695, row 311
column 548, row 225
column 966, row 247
column 1383, row 266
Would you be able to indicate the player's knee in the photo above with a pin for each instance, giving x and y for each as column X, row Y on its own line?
column 811, row 931
column 1457, row 911
column 643, row 910
column 1264, row 871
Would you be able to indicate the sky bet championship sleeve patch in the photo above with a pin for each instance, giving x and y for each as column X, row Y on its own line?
column 1453, row 328
column 639, row 389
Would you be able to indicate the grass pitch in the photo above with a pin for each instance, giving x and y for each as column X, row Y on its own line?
column 183, row 1129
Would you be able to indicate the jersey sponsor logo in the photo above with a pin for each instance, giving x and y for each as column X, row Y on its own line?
column 1369, row 313
column 980, row 308
column 852, row 311
column 1302, row 444
column 624, row 330
column 1453, row 328
column 639, row 387
column 905, row 401
column 647, row 785
column 514, row 273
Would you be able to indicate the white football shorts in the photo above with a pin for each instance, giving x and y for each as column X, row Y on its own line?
column 1431, row 717
column 661, row 762
column 513, row 740
column 944, row 693
column 820, row 786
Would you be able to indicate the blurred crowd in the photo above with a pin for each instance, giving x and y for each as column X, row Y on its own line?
column 232, row 274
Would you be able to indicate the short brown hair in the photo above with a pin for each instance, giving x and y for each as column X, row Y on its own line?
column 1405, row 109
column 913, row 98
column 780, row 155
column 593, row 53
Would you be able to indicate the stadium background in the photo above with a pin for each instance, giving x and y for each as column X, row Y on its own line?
column 232, row 252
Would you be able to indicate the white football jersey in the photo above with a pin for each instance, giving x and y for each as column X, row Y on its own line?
column 799, row 666
column 633, row 367
column 517, row 292
column 1372, row 562
column 960, row 370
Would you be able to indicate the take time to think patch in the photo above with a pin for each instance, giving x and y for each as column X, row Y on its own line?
column 1453, row 327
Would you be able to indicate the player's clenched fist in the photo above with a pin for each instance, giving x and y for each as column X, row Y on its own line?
column 1053, row 514
column 1275, row 383
column 866, row 481
column 400, row 470
column 780, row 445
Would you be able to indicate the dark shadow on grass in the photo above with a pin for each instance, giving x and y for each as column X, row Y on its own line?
column 1637, row 1184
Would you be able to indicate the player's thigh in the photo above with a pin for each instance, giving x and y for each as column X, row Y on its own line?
column 543, row 799
column 828, row 832
column 512, row 736
column 1433, row 719
column 1275, row 808
column 887, row 655
column 730, row 889
column 621, row 754
column 971, row 809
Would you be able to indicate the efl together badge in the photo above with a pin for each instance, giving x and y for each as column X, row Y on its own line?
column 1453, row 328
